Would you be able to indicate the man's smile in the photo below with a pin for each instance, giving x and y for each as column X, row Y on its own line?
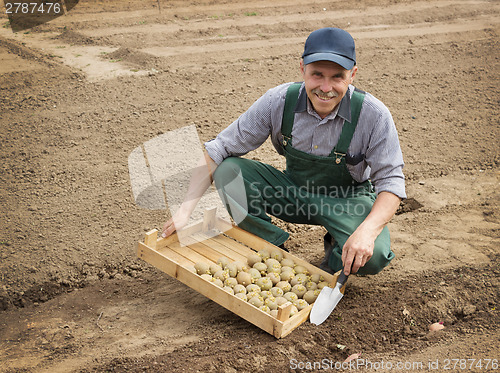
column 324, row 96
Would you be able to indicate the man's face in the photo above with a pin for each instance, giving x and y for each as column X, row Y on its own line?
column 326, row 84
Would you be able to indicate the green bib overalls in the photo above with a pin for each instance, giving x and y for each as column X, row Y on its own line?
column 312, row 190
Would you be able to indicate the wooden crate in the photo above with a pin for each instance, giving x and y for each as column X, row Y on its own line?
column 170, row 257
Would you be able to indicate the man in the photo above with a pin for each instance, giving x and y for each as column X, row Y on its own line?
column 343, row 161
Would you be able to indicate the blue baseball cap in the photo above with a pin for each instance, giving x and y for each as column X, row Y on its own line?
column 330, row 44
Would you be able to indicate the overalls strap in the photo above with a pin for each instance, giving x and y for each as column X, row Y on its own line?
column 292, row 95
column 357, row 99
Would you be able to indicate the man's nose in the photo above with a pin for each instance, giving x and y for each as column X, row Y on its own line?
column 326, row 86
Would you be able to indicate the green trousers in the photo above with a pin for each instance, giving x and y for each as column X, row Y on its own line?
column 268, row 191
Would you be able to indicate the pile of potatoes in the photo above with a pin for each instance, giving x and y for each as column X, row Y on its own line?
column 266, row 281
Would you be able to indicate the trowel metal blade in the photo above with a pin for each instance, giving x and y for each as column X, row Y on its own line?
column 327, row 300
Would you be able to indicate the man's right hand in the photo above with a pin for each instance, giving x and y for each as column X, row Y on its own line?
column 199, row 183
column 168, row 228
column 177, row 222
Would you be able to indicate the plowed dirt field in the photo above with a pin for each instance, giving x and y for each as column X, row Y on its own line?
column 79, row 93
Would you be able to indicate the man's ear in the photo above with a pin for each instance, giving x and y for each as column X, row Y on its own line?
column 353, row 74
column 302, row 67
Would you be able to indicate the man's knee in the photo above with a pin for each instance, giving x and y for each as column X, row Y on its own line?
column 381, row 257
column 227, row 171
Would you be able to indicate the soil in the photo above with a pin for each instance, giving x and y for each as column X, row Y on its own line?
column 79, row 93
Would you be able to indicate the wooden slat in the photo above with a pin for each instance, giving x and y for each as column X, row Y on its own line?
column 206, row 251
column 223, row 225
column 209, row 217
column 294, row 321
column 284, row 311
column 150, row 238
column 222, row 249
column 175, row 257
column 248, row 312
column 157, row 260
column 190, row 254
column 233, row 245
column 162, row 242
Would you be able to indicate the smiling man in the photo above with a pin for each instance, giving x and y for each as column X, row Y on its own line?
column 343, row 161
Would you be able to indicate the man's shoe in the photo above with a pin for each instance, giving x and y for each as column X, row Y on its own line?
column 282, row 247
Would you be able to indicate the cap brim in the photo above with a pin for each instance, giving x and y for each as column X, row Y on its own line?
column 346, row 63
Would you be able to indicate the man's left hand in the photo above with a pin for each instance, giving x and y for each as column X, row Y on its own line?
column 357, row 250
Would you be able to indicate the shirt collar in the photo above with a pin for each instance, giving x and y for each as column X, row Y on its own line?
column 343, row 109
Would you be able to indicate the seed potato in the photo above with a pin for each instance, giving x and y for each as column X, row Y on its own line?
column 301, row 269
column 232, row 269
column 265, row 294
column 264, row 254
column 299, row 289
column 277, row 292
column 271, row 262
column 241, row 266
column 265, row 283
column 241, row 296
column 287, row 263
column 244, row 278
column 253, row 294
column 322, row 284
column 207, row 277
column 223, row 261
column 252, row 259
column 284, row 285
column 311, row 295
column 261, row 267
column 271, row 303
column 221, row 274
column 239, row 289
column 317, row 278
column 310, row 285
column 265, row 309
column 229, row 289
column 275, row 268
column 290, row 296
column 276, row 254
column 255, row 274
column 300, row 304
column 275, row 278
column 202, row 268
column 287, row 276
column 299, row 278
column 256, row 301
column 287, row 268
column 214, row 268
column 281, row 301
column 231, row 282
column 218, row 282
column 253, row 288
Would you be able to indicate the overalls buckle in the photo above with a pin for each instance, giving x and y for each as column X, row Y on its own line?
column 338, row 157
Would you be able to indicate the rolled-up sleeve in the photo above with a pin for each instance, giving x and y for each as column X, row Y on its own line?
column 384, row 156
column 246, row 133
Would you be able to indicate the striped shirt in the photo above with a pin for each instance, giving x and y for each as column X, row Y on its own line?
column 374, row 152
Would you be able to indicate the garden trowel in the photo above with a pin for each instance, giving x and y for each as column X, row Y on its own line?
column 328, row 299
